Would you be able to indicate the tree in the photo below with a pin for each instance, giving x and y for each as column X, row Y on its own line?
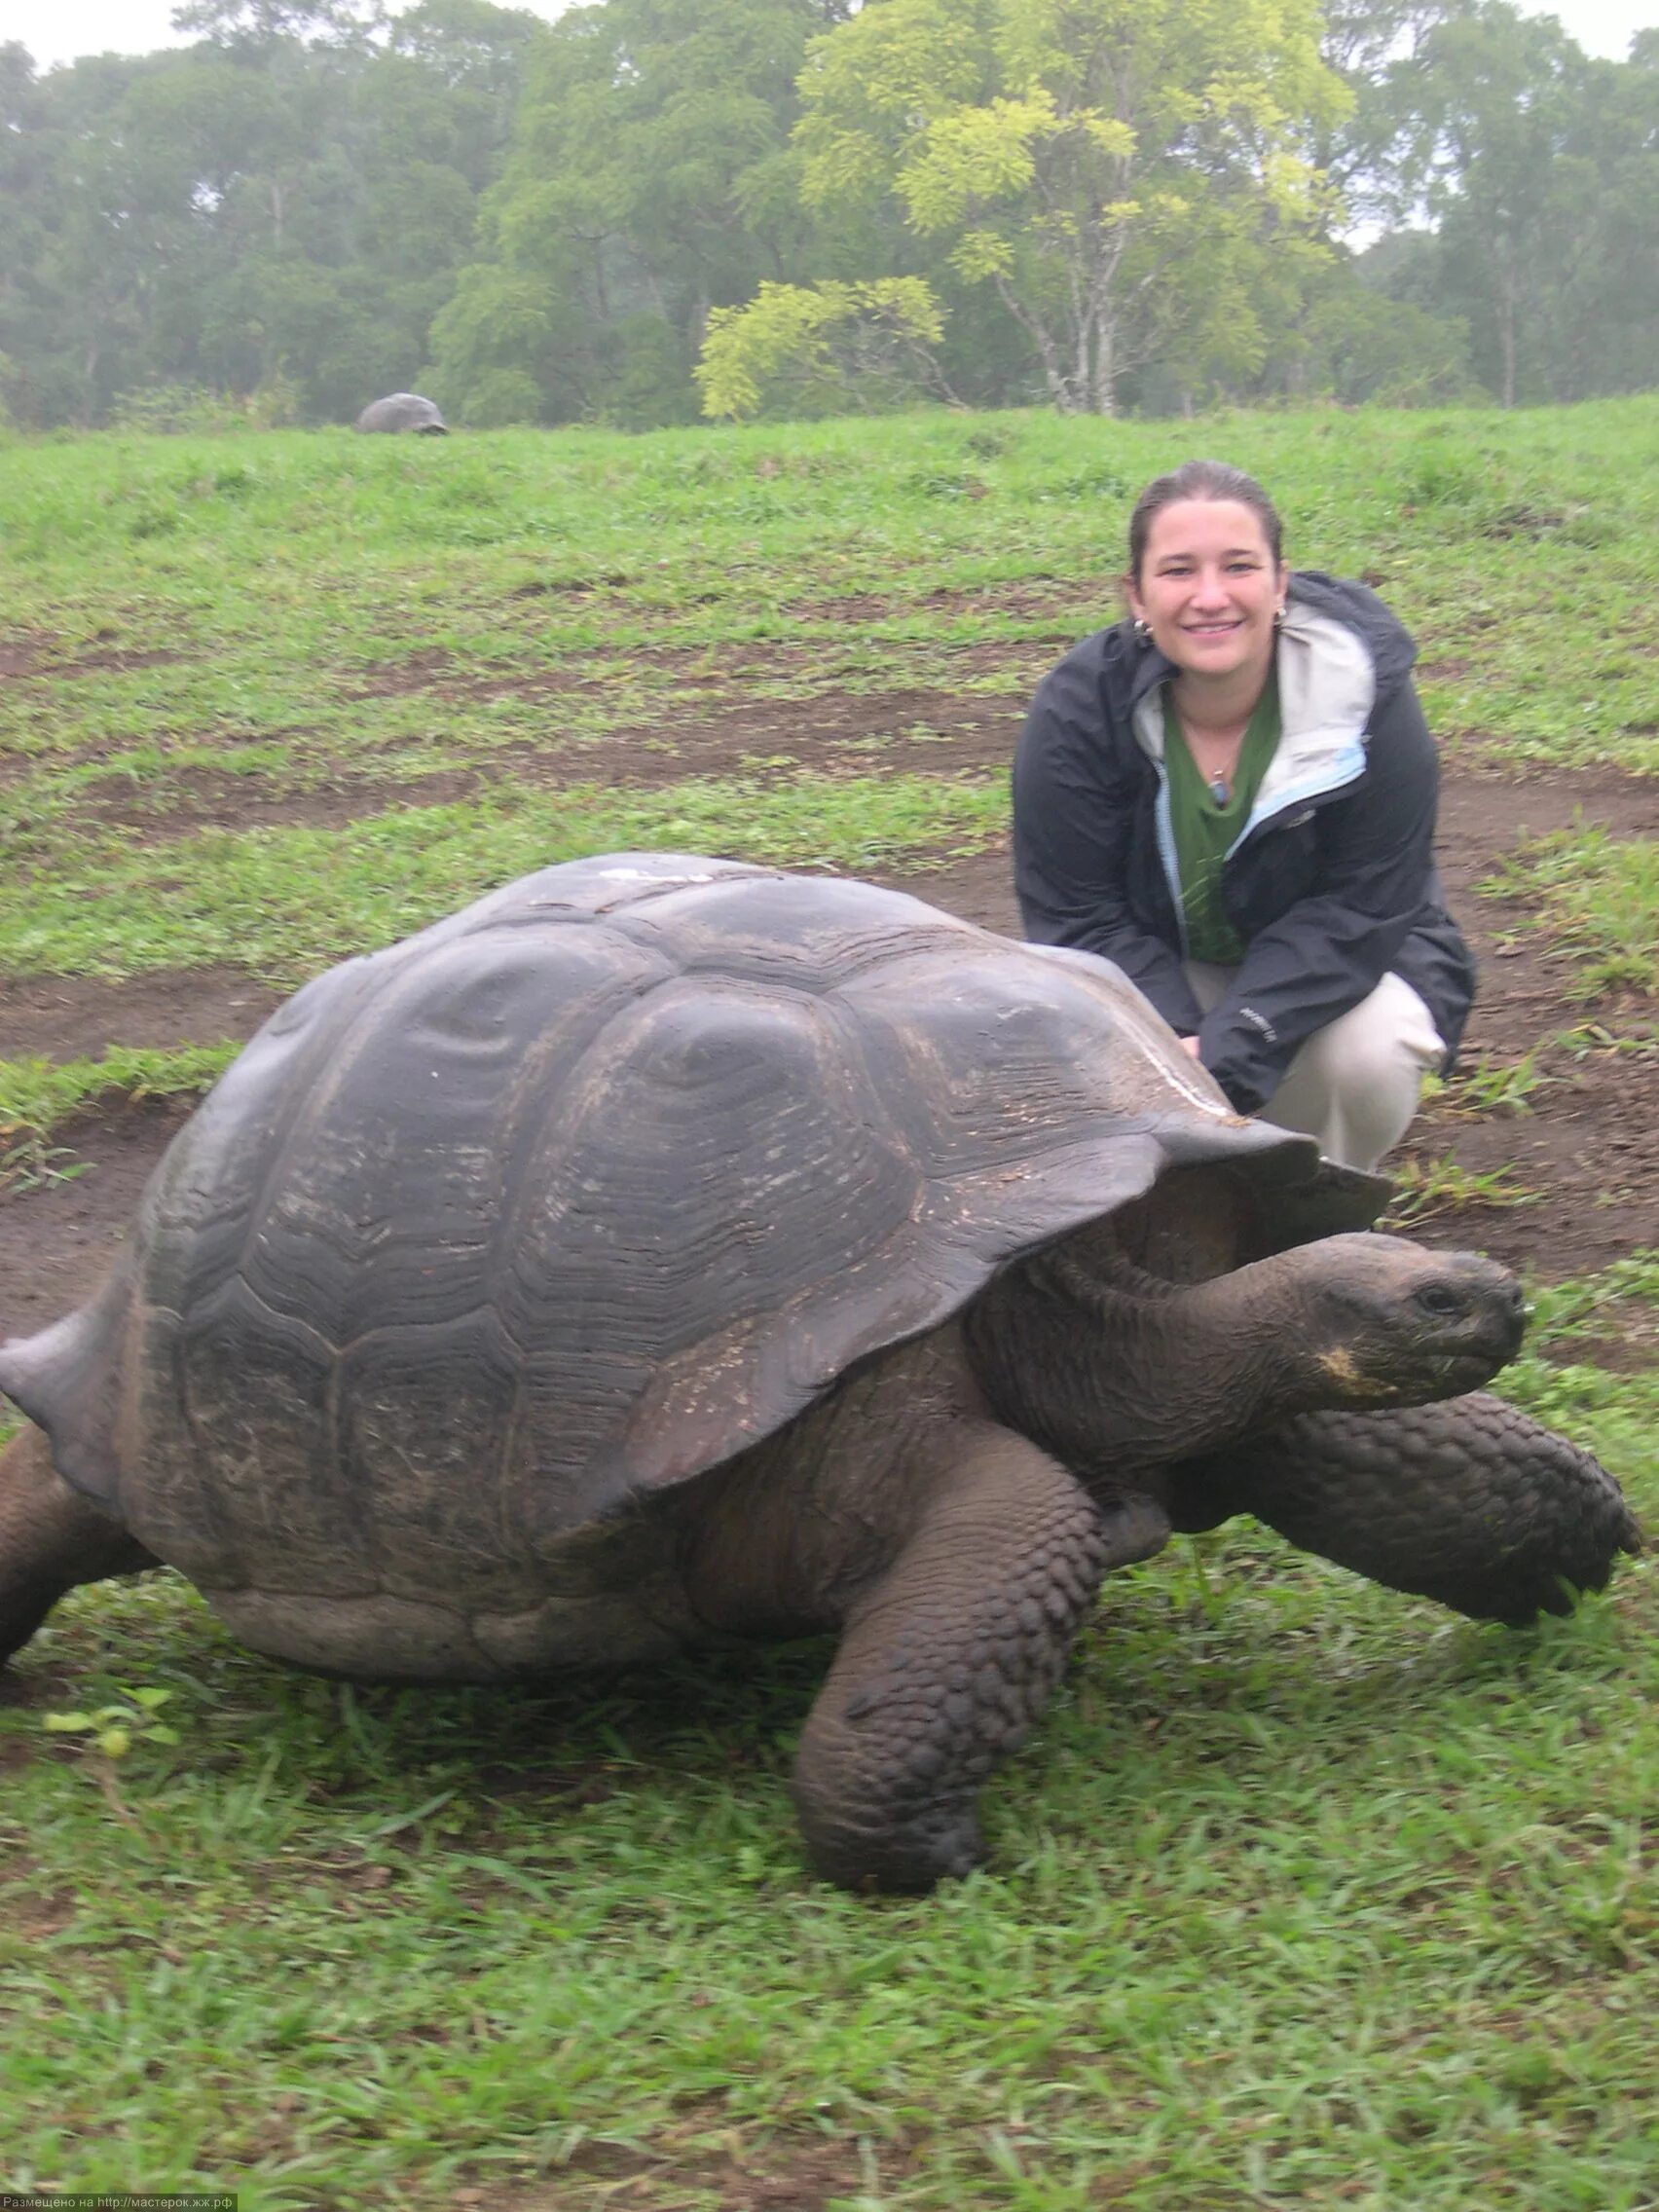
column 650, row 181
column 1477, row 109
column 1104, row 165
column 1375, row 47
column 1539, row 169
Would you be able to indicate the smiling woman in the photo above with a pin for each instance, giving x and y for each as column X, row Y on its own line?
column 1231, row 795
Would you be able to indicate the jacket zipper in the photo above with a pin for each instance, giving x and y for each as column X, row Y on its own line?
column 1166, row 853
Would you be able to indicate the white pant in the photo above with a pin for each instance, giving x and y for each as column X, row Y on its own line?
column 1355, row 1084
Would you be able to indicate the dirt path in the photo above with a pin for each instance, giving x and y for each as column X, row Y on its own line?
column 1586, row 1151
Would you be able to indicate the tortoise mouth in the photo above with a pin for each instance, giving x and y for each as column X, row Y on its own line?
column 1469, row 1368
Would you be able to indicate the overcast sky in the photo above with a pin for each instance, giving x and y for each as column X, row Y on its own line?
column 58, row 30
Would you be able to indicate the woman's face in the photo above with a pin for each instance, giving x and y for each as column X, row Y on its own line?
column 1209, row 587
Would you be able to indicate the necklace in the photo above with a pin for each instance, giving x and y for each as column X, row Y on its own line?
column 1220, row 790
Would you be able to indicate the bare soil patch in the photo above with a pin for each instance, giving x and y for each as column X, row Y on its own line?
column 1587, row 1149
column 217, row 798
column 1585, row 1152
column 56, row 1239
column 31, row 657
column 916, row 732
column 786, row 2172
column 79, row 1017
column 22, row 657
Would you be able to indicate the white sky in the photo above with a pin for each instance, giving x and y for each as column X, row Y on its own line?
column 58, row 30
column 61, row 30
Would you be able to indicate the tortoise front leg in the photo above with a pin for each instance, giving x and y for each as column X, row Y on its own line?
column 949, row 1655
column 1467, row 1501
column 51, row 1539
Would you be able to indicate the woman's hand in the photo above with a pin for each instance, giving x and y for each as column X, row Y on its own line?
column 1189, row 1044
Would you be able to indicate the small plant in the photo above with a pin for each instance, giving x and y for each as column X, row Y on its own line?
column 38, row 1095
column 1591, row 1036
column 115, row 1728
column 1492, row 1086
column 28, row 1162
column 1424, row 1188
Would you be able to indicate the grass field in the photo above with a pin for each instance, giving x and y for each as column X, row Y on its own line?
column 1303, row 1895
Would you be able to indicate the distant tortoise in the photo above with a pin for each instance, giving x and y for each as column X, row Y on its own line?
column 404, row 411
column 666, row 1250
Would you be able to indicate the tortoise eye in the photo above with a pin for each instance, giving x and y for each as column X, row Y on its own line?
column 1440, row 1301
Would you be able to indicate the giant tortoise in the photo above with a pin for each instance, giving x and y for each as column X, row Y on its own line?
column 404, row 411
column 665, row 1250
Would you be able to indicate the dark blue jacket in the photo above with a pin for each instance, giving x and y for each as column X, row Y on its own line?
column 1332, row 881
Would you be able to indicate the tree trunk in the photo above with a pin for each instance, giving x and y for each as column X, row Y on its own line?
column 1063, row 397
column 1103, row 376
column 1506, row 323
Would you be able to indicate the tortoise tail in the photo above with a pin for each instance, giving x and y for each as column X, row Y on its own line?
column 68, row 1380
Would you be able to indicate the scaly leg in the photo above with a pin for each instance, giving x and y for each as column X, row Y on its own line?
column 51, row 1539
column 1467, row 1501
column 949, row 1656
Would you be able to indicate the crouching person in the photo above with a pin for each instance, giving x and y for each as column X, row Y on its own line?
column 1232, row 795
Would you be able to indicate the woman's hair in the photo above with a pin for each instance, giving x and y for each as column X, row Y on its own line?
column 1201, row 480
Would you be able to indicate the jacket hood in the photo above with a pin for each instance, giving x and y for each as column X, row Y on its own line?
column 1358, row 608
column 1338, row 651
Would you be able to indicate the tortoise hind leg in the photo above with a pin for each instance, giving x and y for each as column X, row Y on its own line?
column 949, row 1656
column 51, row 1539
column 1466, row 1501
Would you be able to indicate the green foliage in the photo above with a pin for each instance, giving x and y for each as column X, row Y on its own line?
column 276, row 211
column 826, row 348
column 1541, row 168
column 189, row 411
column 1356, row 347
column 113, row 1729
column 1112, row 200
column 1495, row 1087
column 1073, row 156
column 283, row 904
column 649, row 177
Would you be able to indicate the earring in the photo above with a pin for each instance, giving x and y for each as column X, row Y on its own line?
column 1278, row 618
column 1142, row 630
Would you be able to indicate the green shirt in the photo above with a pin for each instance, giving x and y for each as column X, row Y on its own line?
column 1205, row 829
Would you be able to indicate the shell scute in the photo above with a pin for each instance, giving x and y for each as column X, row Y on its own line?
column 426, row 1419
column 399, row 1171
column 247, row 1394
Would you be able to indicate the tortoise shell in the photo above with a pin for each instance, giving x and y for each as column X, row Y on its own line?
column 403, row 411
column 587, row 1187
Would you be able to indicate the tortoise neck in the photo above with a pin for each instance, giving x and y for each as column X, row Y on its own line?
column 1113, row 1370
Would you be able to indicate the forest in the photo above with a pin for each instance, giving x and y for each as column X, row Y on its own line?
column 652, row 210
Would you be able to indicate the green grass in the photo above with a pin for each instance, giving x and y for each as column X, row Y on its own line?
column 285, row 902
column 1424, row 1189
column 37, row 1096
column 1597, row 900
column 580, row 580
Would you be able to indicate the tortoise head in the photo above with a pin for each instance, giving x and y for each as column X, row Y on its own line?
column 1385, row 1322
